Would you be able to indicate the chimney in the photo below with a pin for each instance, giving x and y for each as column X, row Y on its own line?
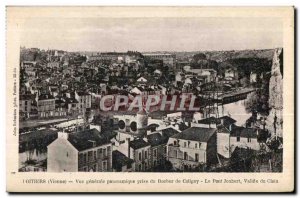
column 37, row 96
column 145, row 139
column 222, row 121
column 63, row 135
column 176, row 126
column 98, row 127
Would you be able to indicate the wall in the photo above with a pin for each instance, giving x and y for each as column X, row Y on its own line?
column 122, row 139
column 62, row 156
column 223, row 145
column 178, row 161
column 144, row 163
column 95, row 161
column 160, row 157
column 244, row 143
column 46, row 108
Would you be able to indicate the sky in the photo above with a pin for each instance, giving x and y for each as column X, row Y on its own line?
column 152, row 34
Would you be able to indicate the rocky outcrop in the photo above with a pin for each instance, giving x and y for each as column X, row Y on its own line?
column 274, row 122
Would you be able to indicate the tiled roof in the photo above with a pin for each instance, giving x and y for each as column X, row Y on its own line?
column 25, row 97
column 138, row 143
column 45, row 97
column 182, row 126
column 226, row 120
column 82, row 93
column 155, row 139
column 196, row 133
column 168, row 132
column 210, row 120
column 152, row 126
column 82, row 140
column 119, row 160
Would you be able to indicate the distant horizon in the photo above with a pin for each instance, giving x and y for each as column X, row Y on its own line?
column 159, row 51
column 152, row 34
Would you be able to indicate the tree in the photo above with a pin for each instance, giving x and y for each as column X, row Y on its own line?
column 199, row 56
column 252, row 102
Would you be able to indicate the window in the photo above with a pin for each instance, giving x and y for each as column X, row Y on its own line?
column 165, row 149
column 67, row 154
column 95, row 155
column 185, row 156
column 238, row 138
column 104, row 166
column 196, row 157
column 196, row 145
column 140, row 167
column 155, row 152
column 249, row 139
column 175, row 143
column 95, row 167
column 146, row 156
column 129, row 165
column 154, row 163
column 140, row 156
column 85, row 169
column 80, row 159
column 84, row 157
column 100, row 153
column 184, row 144
column 104, row 152
column 175, row 154
column 90, row 156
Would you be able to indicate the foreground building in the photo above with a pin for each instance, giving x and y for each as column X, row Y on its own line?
column 121, row 163
column 139, row 152
column 158, row 141
column 192, row 148
column 85, row 151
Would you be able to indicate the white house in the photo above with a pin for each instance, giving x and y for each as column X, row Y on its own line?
column 62, row 155
column 88, row 150
column 142, row 80
column 192, row 147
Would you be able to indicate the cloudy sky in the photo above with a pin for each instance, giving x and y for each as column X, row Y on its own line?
column 152, row 34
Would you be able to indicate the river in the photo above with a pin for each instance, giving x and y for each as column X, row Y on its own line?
column 237, row 111
column 31, row 155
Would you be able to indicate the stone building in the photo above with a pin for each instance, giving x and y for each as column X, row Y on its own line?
column 46, row 106
column 139, row 151
column 192, row 148
column 85, row 151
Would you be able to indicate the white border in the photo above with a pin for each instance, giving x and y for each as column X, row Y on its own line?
column 107, row 2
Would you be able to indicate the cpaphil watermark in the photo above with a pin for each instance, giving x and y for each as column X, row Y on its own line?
column 184, row 102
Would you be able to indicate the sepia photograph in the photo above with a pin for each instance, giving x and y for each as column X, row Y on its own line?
column 174, row 93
